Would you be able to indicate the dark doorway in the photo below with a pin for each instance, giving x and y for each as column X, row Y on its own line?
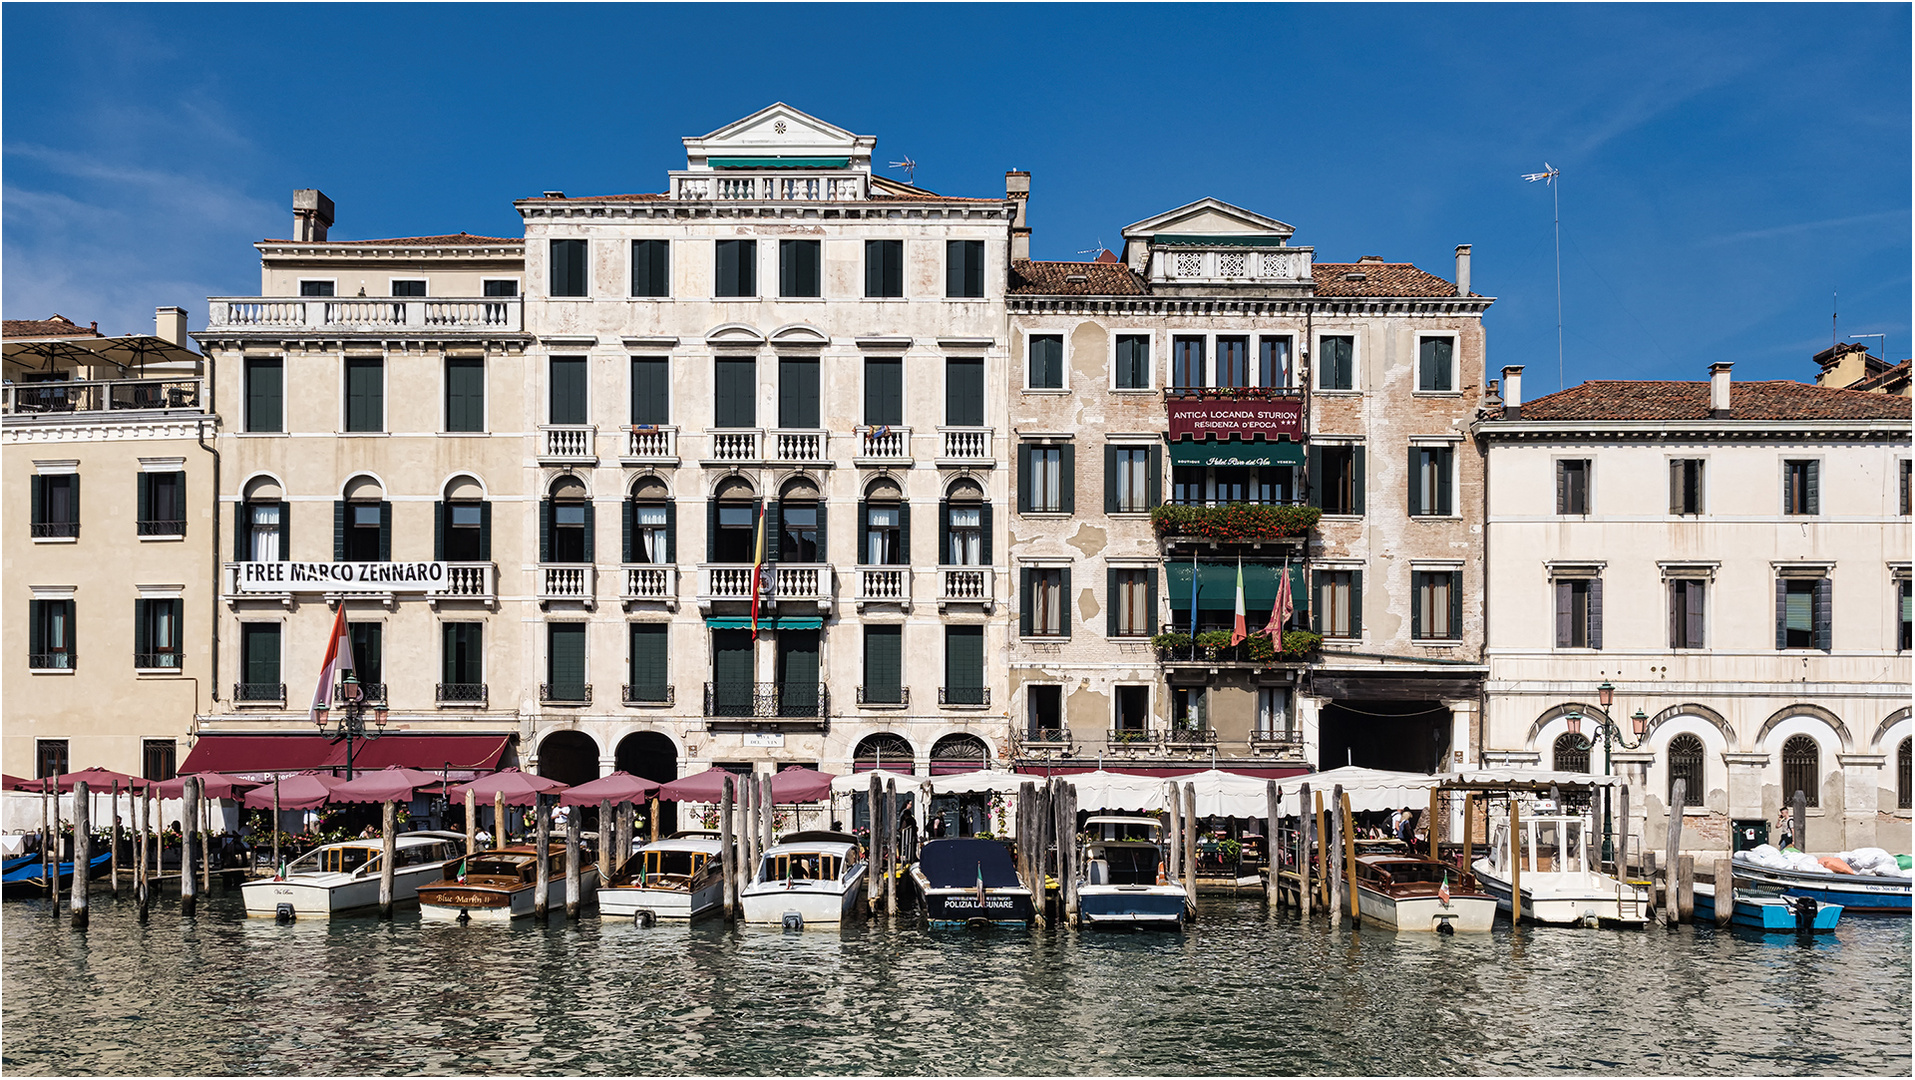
column 649, row 755
column 1402, row 736
column 570, row 757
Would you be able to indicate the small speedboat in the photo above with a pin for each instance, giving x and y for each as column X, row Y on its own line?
column 678, row 878
column 342, row 877
column 806, row 879
column 1770, row 911
column 965, row 882
column 1124, row 882
column 1551, row 864
column 501, row 885
column 25, row 875
column 1402, row 892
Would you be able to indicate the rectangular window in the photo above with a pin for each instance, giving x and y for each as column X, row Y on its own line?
column 1044, row 479
column 1131, row 365
column 1905, row 464
column 798, row 267
column 798, row 392
column 156, row 634
column 799, row 530
column 1336, row 367
column 964, row 391
column 1431, row 470
column 965, row 531
column 884, row 543
column 1686, row 597
column 1274, row 367
column 315, row 288
column 1273, row 712
column 964, row 666
column 651, row 390
column 1130, row 708
column 1046, row 703
column 651, row 268
column 162, row 504
column 1339, row 603
column 1685, row 485
column 568, row 404
column 1336, row 480
column 1189, row 708
column 364, row 532
column 883, row 268
column 568, row 268
column 465, row 393
column 1905, row 612
column 1437, row 615
column 964, row 268
column 56, row 505
column 264, row 538
column 1579, row 613
column 1435, row 367
column 368, row 658
column 365, row 393
column 652, row 533
column 1131, row 479
column 735, row 272
column 467, row 525
column 565, row 661
column 1045, row 590
column 883, row 390
column 1187, row 485
column 648, row 678
column 265, row 394
column 462, row 661
column 1047, row 362
column 409, row 287
column 571, row 528
column 883, row 665
column 1187, row 363
column 735, row 392
column 1799, row 483
column 50, row 635
column 1572, row 486
column 500, row 287
column 158, row 759
column 733, row 532
column 50, row 758
column 1802, row 613
column 259, row 663
column 1133, row 602
column 1233, row 361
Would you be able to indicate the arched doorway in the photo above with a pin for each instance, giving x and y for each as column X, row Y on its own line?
column 652, row 756
column 959, row 754
column 884, row 751
column 570, row 757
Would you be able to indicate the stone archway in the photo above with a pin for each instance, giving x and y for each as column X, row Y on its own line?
column 650, row 755
column 570, row 757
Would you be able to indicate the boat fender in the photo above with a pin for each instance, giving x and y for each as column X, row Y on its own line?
column 1161, row 879
column 794, row 921
column 644, row 918
column 283, row 913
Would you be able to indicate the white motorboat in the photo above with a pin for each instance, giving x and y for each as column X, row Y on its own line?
column 677, row 878
column 1551, row 863
column 1124, row 882
column 1403, row 892
column 500, row 885
column 342, row 877
column 814, row 876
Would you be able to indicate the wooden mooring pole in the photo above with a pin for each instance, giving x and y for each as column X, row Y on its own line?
column 625, row 814
column 607, row 842
column 1686, row 887
column 388, row 853
column 1516, row 851
column 1799, row 816
column 542, row 817
column 1349, row 859
column 50, row 845
column 1678, row 793
column 113, row 839
column 1271, row 894
column 728, row 859
column 1190, row 845
column 747, row 829
column 498, row 820
column 652, row 818
column 189, row 828
column 1724, row 889
column 1318, row 836
column 892, row 856
column 1430, row 823
column 1304, row 881
column 468, row 828
column 82, row 853
column 1333, row 857
column 471, row 819
column 142, row 881
column 574, row 874
column 874, row 840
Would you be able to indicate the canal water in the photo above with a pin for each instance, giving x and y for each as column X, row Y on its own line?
column 1241, row 993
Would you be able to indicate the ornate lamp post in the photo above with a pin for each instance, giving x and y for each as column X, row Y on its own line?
column 350, row 724
column 1607, row 729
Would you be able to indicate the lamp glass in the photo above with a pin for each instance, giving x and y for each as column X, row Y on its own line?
column 1606, row 693
column 1640, row 721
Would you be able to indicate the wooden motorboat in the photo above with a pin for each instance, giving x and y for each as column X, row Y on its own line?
column 677, row 878
column 1403, row 892
column 1124, row 882
column 966, row 882
column 25, row 875
column 814, row 876
column 1551, row 864
column 501, row 885
column 334, row 879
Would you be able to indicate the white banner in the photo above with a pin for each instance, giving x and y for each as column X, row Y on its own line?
column 331, row 577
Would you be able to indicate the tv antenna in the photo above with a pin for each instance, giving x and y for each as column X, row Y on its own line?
column 1550, row 176
column 1098, row 250
column 910, row 170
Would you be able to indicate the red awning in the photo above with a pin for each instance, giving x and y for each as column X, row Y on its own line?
column 257, row 754
column 265, row 754
column 430, row 753
column 1262, row 772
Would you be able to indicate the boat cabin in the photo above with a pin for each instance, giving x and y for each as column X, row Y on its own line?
column 670, row 862
column 1391, row 873
column 801, row 866
column 1551, row 843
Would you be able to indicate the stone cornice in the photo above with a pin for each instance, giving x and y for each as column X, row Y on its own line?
column 334, row 341
column 513, row 249
column 709, row 209
column 1582, row 431
column 1261, row 307
column 40, row 429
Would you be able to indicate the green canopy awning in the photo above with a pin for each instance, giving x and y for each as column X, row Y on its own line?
column 778, row 162
column 1235, row 453
column 765, row 622
column 1217, row 587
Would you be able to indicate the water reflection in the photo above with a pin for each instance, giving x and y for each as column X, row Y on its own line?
column 1243, row 992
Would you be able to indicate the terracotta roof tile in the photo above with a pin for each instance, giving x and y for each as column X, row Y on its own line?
column 1054, row 279
column 1778, row 399
column 57, row 326
column 1890, row 378
column 1379, row 279
column 453, row 240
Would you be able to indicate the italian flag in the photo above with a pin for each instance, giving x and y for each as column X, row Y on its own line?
column 338, row 661
column 280, row 874
column 980, row 884
column 1443, row 890
column 1240, row 629
column 462, row 871
column 757, row 569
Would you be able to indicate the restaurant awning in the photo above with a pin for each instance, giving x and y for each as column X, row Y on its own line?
column 300, row 753
column 1233, row 453
column 765, row 622
column 1217, row 587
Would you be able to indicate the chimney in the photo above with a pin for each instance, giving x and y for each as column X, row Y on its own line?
column 170, row 325
column 1017, row 188
column 1462, row 269
column 1719, row 391
column 312, row 215
column 1513, row 392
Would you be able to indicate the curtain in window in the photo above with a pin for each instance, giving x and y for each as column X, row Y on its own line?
column 881, row 536
column 1045, row 495
column 648, row 535
column 265, row 532
column 967, row 534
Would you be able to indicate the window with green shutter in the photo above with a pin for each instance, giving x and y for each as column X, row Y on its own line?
column 735, row 268
column 964, row 268
column 1336, row 367
column 265, row 394
column 365, row 393
column 798, row 392
column 1435, row 369
column 883, row 268
column 50, row 635
column 651, row 390
column 1432, row 471
column 1132, row 362
column 462, row 670
column 964, row 391
column 1046, row 362
column 259, row 662
column 565, row 661
column 569, row 268
column 883, row 390
column 156, row 634
column 883, row 665
column 735, row 392
column 368, row 657
column 465, row 393
column 964, row 666
column 649, row 678
column 651, row 268
column 798, row 267
column 161, row 509
column 569, row 389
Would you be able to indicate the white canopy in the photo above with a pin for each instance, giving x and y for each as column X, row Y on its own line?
column 861, row 781
column 1369, row 789
column 1529, row 778
column 982, row 780
column 1226, row 794
column 1101, row 790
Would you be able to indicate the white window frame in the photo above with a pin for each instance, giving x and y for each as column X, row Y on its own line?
column 1702, row 500
column 300, row 284
column 1338, row 566
column 1150, row 372
column 1454, row 444
column 1170, row 357
column 1064, row 627
column 518, row 287
column 392, row 281
column 1456, row 366
column 1144, row 565
column 1356, row 359
column 1064, row 361
column 1555, row 478
column 1256, row 359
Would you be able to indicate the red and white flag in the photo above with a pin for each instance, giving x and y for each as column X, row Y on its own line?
column 1443, row 890
column 1282, row 610
column 338, row 661
column 1239, row 629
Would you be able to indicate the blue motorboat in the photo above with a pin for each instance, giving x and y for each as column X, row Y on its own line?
column 24, row 875
column 1770, row 911
column 1858, row 894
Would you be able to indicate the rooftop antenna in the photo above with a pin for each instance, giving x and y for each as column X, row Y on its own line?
column 1882, row 337
column 1098, row 250
column 910, row 170
column 1549, row 176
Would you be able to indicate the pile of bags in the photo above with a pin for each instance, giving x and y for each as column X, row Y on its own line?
column 1861, row 861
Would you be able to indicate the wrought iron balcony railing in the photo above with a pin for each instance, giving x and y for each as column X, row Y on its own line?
column 369, row 692
column 565, row 693
column 65, row 530
column 884, row 695
column 648, row 694
column 259, row 693
column 964, row 695
column 156, row 661
column 51, row 661
column 161, row 528
column 755, row 700
column 460, row 693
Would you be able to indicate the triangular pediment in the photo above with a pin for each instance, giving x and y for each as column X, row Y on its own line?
column 780, row 131
column 1208, row 217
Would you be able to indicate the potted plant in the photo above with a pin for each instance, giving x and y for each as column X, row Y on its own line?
column 1213, row 641
column 1171, row 644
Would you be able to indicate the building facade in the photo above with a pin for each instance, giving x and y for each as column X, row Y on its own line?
column 1732, row 561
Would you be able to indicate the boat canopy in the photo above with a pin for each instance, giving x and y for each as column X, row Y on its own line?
column 982, row 780
column 959, row 863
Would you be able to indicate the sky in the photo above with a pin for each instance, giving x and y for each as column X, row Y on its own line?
column 1731, row 175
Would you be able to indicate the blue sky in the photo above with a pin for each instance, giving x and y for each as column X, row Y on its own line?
column 1726, row 168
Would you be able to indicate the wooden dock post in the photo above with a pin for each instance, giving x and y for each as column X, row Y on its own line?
column 892, row 856
column 113, row 839
column 1430, row 823
column 542, row 899
column 625, row 814
column 468, row 828
column 1349, row 859
column 574, row 874
column 1516, row 852
column 82, row 853
column 1190, row 844
column 498, row 820
column 747, row 828
column 607, row 840
column 388, row 853
column 1678, row 793
column 651, row 819
column 189, row 828
column 1174, row 835
column 1725, row 889
column 1319, row 835
column 1271, row 894
column 142, row 893
column 727, row 859
column 1798, row 816
column 1332, row 861
column 1306, row 881
column 1469, row 831
column 50, row 846
column 1686, row 887
column 471, row 818
column 874, row 841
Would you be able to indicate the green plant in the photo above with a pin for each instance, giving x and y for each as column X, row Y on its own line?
column 1230, row 849
column 1301, row 642
column 1213, row 639
column 1172, row 639
column 1235, row 521
column 1258, row 649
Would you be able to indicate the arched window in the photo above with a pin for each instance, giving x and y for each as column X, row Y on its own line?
column 1685, row 763
column 651, row 524
column 886, row 751
column 362, row 523
column 886, row 518
column 1571, row 753
column 565, row 533
column 964, row 526
column 261, row 525
column 463, row 527
column 958, row 754
column 1902, row 793
column 734, row 517
column 1801, row 769
column 801, row 523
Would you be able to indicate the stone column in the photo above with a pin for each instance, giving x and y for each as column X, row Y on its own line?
column 1462, row 752
column 1861, row 787
column 1633, row 767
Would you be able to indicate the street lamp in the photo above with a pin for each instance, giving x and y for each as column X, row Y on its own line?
column 351, row 722
column 1608, row 731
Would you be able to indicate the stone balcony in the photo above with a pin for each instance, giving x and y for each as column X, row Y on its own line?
column 281, row 314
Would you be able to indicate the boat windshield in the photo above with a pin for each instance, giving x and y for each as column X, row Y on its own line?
column 334, row 860
column 806, row 866
column 673, row 862
column 1145, row 831
column 493, row 867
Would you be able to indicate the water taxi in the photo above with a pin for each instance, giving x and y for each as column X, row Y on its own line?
column 806, row 878
column 501, row 885
column 338, row 878
column 1403, row 892
column 971, row 882
column 1124, row 882
column 1552, row 865
column 678, row 878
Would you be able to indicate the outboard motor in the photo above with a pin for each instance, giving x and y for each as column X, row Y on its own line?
column 464, row 917
column 283, row 913
column 1805, row 913
column 644, row 918
column 794, row 921
column 1444, row 928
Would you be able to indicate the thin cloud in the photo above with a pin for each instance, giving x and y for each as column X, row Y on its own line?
column 1801, row 227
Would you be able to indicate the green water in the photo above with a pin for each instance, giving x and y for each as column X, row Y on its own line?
column 1240, row 993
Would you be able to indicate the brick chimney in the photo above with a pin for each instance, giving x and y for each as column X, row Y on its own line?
column 1462, row 269
column 170, row 325
column 1513, row 392
column 1017, row 188
column 312, row 215
column 1719, row 391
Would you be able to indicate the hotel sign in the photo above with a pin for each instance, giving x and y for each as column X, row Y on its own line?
column 1220, row 418
column 341, row 577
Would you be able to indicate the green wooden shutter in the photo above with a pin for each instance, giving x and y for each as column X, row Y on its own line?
column 671, row 532
column 627, row 510
column 1067, row 604
column 1456, row 606
column 439, row 530
column 1445, row 466
column 143, row 495
column 904, row 533
column 1416, row 482
column 385, row 531
column 954, row 268
column 1313, row 469
column 465, row 394
column 964, row 663
column 449, row 641
column 883, row 390
column 259, row 647
column 568, row 390
column 823, row 536
column 1111, row 504
column 1814, row 486
column 1024, row 601
column 1024, row 477
column 485, row 532
column 1781, row 613
column 1150, row 601
column 565, row 660
column 1067, row 477
column 142, row 635
column 1356, row 603
column 964, row 391
column 883, row 663
column 651, row 390
column 591, row 531
column 943, row 553
column 984, row 533
column 545, row 530
column 725, row 268
column 1111, row 628
column 873, row 268
column 1356, row 478
column 774, row 527
column 1416, row 606
column 797, row 392
column 1154, row 477
column 735, row 403
column 265, row 395
column 38, row 484
column 242, row 531
column 339, row 530
column 36, row 627
column 711, row 530
column 1823, row 611
column 648, row 674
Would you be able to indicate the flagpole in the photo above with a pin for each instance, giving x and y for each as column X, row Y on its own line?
column 1193, row 602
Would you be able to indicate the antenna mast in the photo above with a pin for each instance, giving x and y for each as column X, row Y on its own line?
column 1550, row 175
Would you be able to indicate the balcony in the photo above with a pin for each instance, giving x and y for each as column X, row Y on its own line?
column 56, row 530
column 51, row 661
column 650, row 444
column 1234, row 522
column 735, row 446
column 647, row 694
column 1190, row 738
column 966, row 585
column 1256, row 653
column 468, row 581
column 767, row 701
column 1049, row 742
column 573, row 582
column 884, row 585
column 565, row 693
column 1287, row 745
column 107, row 395
column 259, row 693
column 568, row 444
column 372, row 693
column 460, row 695
column 489, row 314
column 642, row 583
column 780, row 186
column 791, row 446
column 169, row 529
column 966, row 446
column 964, row 697
column 157, row 661
column 883, row 445
column 1131, row 741
column 787, row 583
column 883, row 697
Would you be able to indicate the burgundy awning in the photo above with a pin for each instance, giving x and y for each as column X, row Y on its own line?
column 427, row 753
column 98, row 781
column 264, row 754
column 217, row 786
column 799, row 784
column 307, row 792
column 375, row 787
column 518, row 787
column 706, row 786
column 619, row 787
column 257, row 754
column 1262, row 772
